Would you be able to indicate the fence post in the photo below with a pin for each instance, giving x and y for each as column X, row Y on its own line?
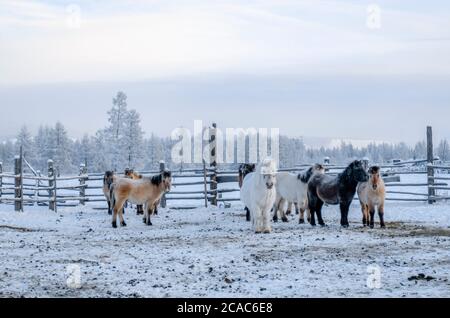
column 430, row 169
column 17, row 184
column 1, row 180
column 54, row 193
column 83, row 172
column 38, row 183
column 51, row 184
column 213, row 162
column 206, row 183
column 162, row 168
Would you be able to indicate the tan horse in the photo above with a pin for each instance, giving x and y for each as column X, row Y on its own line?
column 145, row 191
column 372, row 195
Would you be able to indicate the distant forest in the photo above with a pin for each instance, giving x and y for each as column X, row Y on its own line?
column 121, row 144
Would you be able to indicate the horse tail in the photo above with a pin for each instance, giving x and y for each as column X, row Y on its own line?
column 112, row 197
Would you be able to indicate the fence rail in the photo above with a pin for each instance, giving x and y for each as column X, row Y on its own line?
column 26, row 186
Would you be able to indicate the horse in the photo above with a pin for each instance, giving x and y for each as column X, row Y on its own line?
column 340, row 190
column 131, row 174
column 372, row 195
column 145, row 191
column 108, row 180
column 294, row 188
column 258, row 193
column 244, row 170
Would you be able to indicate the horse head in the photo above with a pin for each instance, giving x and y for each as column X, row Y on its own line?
column 267, row 170
column 317, row 168
column 374, row 177
column 167, row 180
column 357, row 171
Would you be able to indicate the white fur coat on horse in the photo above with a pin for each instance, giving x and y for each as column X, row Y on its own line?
column 258, row 194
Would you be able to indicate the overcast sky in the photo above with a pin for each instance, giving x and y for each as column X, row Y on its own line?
column 313, row 68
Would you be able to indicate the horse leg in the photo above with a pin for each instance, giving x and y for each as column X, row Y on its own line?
column 149, row 211
column 319, row 206
column 289, row 209
column 296, row 208
column 302, row 216
column 257, row 220
column 372, row 216
column 247, row 214
column 122, row 221
column 277, row 207
column 345, row 206
column 284, row 214
column 109, row 207
column 118, row 205
column 363, row 210
column 381, row 214
column 266, row 222
column 302, row 208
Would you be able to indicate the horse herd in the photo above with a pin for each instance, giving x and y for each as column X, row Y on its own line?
column 264, row 190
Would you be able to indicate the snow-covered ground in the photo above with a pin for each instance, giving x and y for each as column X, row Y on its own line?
column 214, row 253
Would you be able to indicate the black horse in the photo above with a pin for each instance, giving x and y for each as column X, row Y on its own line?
column 335, row 190
column 245, row 169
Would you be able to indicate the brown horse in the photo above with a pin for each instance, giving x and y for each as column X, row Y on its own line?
column 145, row 191
column 372, row 195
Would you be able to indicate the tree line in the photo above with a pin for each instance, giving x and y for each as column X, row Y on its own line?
column 121, row 144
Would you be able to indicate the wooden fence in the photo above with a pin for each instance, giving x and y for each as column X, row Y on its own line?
column 207, row 185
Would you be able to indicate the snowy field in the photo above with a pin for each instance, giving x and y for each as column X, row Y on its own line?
column 214, row 253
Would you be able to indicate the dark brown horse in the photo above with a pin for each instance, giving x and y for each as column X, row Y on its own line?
column 245, row 169
column 335, row 190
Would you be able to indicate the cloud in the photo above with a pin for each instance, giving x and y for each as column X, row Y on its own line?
column 145, row 40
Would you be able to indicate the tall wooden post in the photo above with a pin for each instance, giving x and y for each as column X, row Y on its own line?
column 51, row 175
column 36, row 191
column 83, row 173
column 205, row 180
column 213, row 162
column 17, row 184
column 162, row 168
column 430, row 169
column 1, row 180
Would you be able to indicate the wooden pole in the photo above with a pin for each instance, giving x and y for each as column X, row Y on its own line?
column 36, row 192
column 54, row 193
column 51, row 174
column 17, row 182
column 162, row 168
column 21, row 178
column 213, row 162
column 430, row 168
column 1, row 180
column 205, row 184
column 83, row 172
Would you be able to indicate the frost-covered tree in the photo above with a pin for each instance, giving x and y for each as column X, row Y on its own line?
column 443, row 150
column 60, row 147
column 132, row 140
column 25, row 140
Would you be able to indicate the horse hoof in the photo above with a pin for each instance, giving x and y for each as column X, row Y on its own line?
column 383, row 226
column 275, row 220
column 284, row 219
column 144, row 220
column 322, row 224
column 288, row 212
column 301, row 221
column 345, row 226
column 149, row 223
column 109, row 213
column 257, row 232
column 123, row 224
column 372, row 226
column 267, row 231
column 114, row 225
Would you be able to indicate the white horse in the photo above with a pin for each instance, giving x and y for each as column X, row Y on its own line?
column 294, row 188
column 258, row 194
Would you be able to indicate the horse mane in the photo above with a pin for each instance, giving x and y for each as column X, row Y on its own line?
column 304, row 177
column 374, row 170
column 267, row 166
column 346, row 174
column 156, row 180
